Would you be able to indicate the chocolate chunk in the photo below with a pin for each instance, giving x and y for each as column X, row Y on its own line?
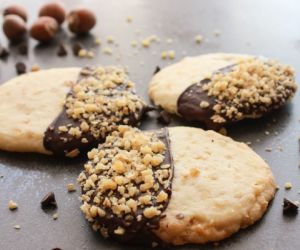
column 164, row 117
column 23, row 49
column 157, row 69
column 289, row 207
column 20, row 68
column 49, row 201
column 4, row 53
column 76, row 48
column 62, row 51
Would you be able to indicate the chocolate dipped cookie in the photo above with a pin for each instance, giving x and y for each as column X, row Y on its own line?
column 219, row 89
column 177, row 185
column 66, row 111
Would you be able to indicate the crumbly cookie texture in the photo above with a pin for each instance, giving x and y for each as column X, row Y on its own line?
column 250, row 88
column 126, row 183
column 219, row 186
column 29, row 103
column 98, row 102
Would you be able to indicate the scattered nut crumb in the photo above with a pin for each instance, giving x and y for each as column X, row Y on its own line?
column 82, row 53
column 17, row 227
column 268, row 149
column 12, row 205
column 107, row 51
column 129, row 19
column 164, row 54
column 98, row 41
column 35, row 67
column 204, row 104
column 171, row 54
column 288, row 185
column 146, row 42
column 71, row 187
column 55, row 216
column 198, row 39
column 110, row 39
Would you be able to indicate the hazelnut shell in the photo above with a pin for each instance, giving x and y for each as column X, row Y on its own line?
column 55, row 10
column 44, row 29
column 81, row 20
column 14, row 27
column 16, row 9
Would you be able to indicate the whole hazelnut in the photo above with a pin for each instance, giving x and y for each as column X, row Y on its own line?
column 81, row 20
column 55, row 10
column 44, row 29
column 14, row 27
column 16, row 9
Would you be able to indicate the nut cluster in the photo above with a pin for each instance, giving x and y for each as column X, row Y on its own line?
column 126, row 182
column 101, row 100
column 250, row 88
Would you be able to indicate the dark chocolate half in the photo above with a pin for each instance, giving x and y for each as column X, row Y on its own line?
column 188, row 104
column 138, row 231
column 64, row 144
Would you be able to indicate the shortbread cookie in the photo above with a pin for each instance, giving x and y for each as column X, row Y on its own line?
column 177, row 185
column 218, row 89
column 65, row 111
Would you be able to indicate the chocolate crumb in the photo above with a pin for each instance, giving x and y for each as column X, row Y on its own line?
column 23, row 49
column 4, row 53
column 157, row 69
column 20, row 68
column 164, row 117
column 49, row 201
column 56, row 248
column 76, row 48
column 289, row 206
column 62, row 51
column 149, row 108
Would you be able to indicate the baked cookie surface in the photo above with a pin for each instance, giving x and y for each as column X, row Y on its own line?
column 200, row 186
column 65, row 111
column 218, row 89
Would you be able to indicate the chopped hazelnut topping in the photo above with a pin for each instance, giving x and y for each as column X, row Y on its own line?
column 126, row 177
column 250, row 83
column 204, row 104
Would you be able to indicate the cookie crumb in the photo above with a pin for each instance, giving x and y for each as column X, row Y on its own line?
column 171, row 54
column 107, row 51
column 268, row 149
column 12, row 205
column 62, row 51
column 129, row 19
column 110, row 39
column 217, row 33
column 97, row 41
column 71, row 187
column 55, row 216
column 90, row 54
column 35, row 67
column 288, row 185
column 82, row 53
column 223, row 131
column 164, row 55
column 146, row 42
column 17, row 227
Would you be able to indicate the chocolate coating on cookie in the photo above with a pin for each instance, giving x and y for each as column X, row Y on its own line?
column 97, row 103
column 249, row 89
column 126, row 184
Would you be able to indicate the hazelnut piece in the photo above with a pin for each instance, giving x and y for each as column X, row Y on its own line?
column 81, row 20
column 14, row 27
column 44, row 29
column 55, row 10
column 16, row 9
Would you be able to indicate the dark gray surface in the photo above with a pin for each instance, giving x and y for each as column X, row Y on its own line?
column 269, row 28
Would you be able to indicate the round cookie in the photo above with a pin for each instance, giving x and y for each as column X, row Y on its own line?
column 218, row 89
column 177, row 186
column 65, row 111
